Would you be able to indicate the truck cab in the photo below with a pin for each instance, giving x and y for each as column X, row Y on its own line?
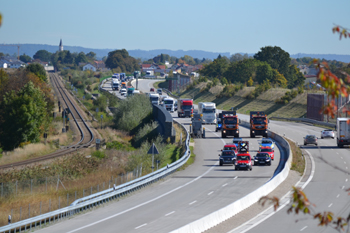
column 168, row 104
column 185, row 108
column 130, row 91
column 154, row 98
column 115, row 84
column 258, row 124
column 343, row 132
column 230, row 124
column 208, row 110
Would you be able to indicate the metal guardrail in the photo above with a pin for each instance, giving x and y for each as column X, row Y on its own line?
column 305, row 120
column 101, row 197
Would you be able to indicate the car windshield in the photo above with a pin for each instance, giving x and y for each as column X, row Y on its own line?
column 262, row 155
column 310, row 137
column 154, row 98
column 266, row 142
column 226, row 153
column 266, row 150
column 243, row 158
column 230, row 120
column 259, row 120
column 187, row 106
column 236, row 141
column 208, row 110
column 230, row 148
column 168, row 101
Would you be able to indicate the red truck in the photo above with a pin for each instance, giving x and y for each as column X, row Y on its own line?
column 185, row 108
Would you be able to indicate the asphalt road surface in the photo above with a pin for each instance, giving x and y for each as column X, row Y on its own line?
column 183, row 197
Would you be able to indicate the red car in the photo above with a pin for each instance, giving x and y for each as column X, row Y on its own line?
column 231, row 146
column 152, row 89
column 244, row 161
column 268, row 150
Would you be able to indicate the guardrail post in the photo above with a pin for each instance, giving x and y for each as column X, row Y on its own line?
column 29, row 210
column 91, row 190
column 67, row 199
column 59, row 202
column 83, row 192
column 31, row 186
column 75, row 198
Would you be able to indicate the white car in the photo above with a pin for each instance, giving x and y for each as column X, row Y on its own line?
column 123, row 91
column 327, row 133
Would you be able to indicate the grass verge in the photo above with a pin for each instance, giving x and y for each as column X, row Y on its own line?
column 298, row 162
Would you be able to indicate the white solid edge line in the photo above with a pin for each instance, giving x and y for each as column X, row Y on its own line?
column 252, row 225
column 145, row 203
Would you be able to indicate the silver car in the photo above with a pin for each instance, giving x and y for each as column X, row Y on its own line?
column 310, row 139
column 327, row 133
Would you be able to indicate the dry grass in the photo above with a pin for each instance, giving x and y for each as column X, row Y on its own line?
column 298, row 162
column 179, row 130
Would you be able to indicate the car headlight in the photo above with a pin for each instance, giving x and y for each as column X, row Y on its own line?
column 224, row 131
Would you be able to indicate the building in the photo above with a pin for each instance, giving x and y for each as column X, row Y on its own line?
column 153, row 67
column 179, row 82
column 11, row 62
column 99, row 64
column 60, row 47
column 89, row 67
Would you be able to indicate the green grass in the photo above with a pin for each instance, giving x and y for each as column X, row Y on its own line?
column 190, row 159
column 161, row 84
column 172, row 153
column 103, row 78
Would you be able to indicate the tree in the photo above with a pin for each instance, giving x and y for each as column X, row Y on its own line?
column 215, row 69
column 91, row 55
column 43, row 55
column 242, row 71
column 263, row 72
column 81, row 58
column 121, row 59
column 25, row 58
column 23, row 115
column 68, row 59
column 276, row 57
column 38, row 70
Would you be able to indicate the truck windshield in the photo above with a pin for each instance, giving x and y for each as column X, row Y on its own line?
column 168, row 102
column 154, row 99
column 230, row 121
column 208, row 110
column 187, row 106
column 259, row 120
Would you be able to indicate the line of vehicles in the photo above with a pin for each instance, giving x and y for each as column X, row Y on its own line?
column 237, row 154
column 119, row 83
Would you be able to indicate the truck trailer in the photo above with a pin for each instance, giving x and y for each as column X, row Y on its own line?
column 343, row 132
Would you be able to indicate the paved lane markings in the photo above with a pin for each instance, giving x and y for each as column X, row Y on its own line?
column 235, row 177
column 303, row 228
column 338, row 195
column 140, row 226
column 343, row 187
column 170, row 213
column 330, row 205
column 192, row 202
column 224, row 185
column 346, row 180
column 210, row 193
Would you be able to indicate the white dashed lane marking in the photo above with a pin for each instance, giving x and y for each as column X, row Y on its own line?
column 330, row 205
column 192, row 202
column 170, row 213
column 303, row 228
column 141, row 226
column 338, row 195
column 210, row 193
column 224, row 185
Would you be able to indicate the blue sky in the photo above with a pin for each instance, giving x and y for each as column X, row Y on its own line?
column 218, row 26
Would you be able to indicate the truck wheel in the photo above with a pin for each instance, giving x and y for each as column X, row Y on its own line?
column 216, row 130
column 265, row 135
column 340, row 145
column 237, row 168
column 251, row 168
column 220, row 163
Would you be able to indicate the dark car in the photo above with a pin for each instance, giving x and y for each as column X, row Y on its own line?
column 310, row 139
column 262, row 158
column 227, row 157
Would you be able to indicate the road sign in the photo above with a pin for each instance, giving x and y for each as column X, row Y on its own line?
column 96, row 109
column 153, row 150
column 98, row 141
column 83, row 97
column 101, row 116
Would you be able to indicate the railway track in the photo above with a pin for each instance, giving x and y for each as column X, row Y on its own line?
column 86, row 134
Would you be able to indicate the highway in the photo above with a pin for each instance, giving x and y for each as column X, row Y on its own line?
column 181, row 198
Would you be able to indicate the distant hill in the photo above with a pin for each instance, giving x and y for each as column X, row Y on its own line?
column 343, row 58
column 31, row 49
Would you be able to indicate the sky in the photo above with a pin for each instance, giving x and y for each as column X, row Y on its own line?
column 233, row 26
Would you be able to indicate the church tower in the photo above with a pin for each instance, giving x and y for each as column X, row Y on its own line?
column 60, row 48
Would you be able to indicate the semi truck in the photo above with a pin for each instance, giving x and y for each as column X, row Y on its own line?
column 229, row 124
column 154, row 98
column 130, row 91
column 122, row 76
column 208, row 111
column 123, row 85
column 343, row 132
column 185, row 108
column 115, row 84
column 168, row 104
column 258, row 124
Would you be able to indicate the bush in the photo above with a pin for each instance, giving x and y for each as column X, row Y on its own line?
column 147, row 133
column 132, row 113
column 116, row 145
column 230, row 90
column 259, row 89
column 98, row 154
column 215, row 82
column 202, row 79
column 288, row 96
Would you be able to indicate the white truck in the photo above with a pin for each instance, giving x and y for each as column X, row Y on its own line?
column 208, row 111
column 168, row 104
column 115, row 84
column 154, row 98
column 343, row 131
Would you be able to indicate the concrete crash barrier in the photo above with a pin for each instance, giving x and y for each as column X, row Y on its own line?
column 229, row 211
column 305, row 120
